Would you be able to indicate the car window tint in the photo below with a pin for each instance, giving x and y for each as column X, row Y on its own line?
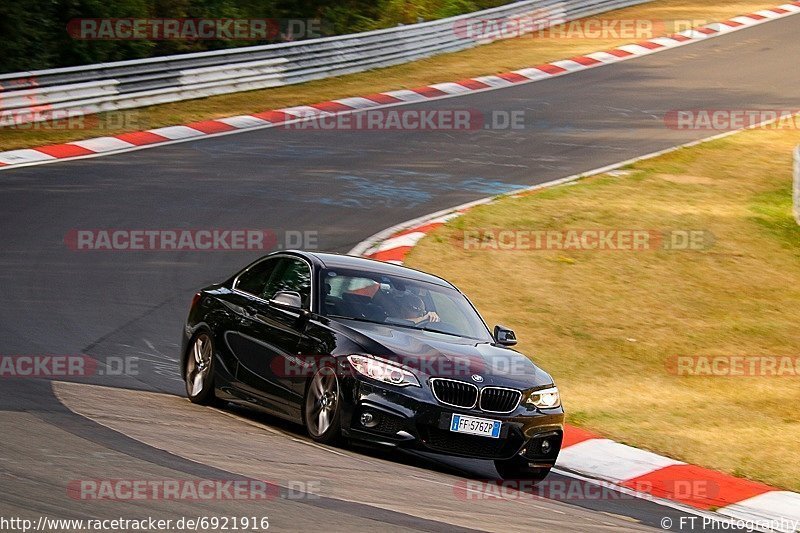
column 255, row 278
column 338, row 286
column 291, row 275
column 452, row 318
column 383, row 299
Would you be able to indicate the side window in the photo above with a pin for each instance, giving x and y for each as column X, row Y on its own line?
column 255, row 279
column 291, row 275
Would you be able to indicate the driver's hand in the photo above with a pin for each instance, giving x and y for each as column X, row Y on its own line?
column 430, row 316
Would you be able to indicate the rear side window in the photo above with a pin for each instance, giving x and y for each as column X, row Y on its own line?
column 254, row 280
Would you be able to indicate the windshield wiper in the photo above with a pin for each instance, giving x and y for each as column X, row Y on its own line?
column 426, row 328
column 407, row 326
column 356, row 319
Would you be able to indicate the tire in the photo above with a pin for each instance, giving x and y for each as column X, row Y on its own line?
column 518, row 469
column 198, row 371
column 322, row 407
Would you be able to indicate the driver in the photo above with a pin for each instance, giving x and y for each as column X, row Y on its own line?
column 412, row 308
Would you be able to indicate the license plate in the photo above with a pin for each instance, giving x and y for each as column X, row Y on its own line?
column 475, row 426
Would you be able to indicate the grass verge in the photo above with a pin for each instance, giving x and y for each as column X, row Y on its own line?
column 607, row 324
column 497, row 57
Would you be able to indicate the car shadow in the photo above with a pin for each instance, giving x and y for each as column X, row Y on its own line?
column 456, row 466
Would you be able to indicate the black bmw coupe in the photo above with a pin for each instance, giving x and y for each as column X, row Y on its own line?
column 371, row 351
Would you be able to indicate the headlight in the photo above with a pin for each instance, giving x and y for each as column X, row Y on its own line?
column 545, row 398
column 383, row 371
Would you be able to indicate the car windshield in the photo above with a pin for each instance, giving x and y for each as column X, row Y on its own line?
column 381, row 299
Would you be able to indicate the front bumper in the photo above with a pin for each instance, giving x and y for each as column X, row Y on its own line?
column 412, row 418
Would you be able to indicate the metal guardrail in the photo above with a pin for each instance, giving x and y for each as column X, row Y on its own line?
column 74, row 91
column 796, row 185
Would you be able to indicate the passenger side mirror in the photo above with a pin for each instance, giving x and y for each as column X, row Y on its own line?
column 504, row 336
column 287, row 300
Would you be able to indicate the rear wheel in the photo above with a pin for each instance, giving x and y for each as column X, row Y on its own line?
column 199, row 371
column 518, row 468
column 322, row 407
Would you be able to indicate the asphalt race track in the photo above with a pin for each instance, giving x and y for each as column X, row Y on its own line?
column 345, row 186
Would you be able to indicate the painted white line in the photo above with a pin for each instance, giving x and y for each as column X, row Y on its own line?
column 666, row 42
column 177, row 132
column 637, row 50
column 611, row 461
column 742, row 19
column 445, row 218
column 356, row 102
column 103, row 144
column 243, row 121
column 604, row 57
column 451, row 88
column 406, row 96
column 695, row 35
column 365, row 246
column 767, row 506
column 720, row 27
column 644, row 496
column 303, row 111
column 493, row 81
column 569, row 65
column 533, row 73
column 26, row 155
column 409, row 239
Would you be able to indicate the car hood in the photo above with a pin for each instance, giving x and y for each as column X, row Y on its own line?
column 447, row 356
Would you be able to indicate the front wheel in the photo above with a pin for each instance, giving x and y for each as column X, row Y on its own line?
column 518, row 468
column 322, row 407
column 199, row 370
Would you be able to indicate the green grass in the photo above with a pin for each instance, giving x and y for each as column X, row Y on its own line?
column 606, row 323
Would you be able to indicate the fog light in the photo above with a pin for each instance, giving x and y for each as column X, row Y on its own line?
column 368, row 419
column 545, row 446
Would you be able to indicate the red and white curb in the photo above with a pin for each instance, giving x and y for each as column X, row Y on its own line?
column 741, row 502
column 127, row 142
column 700, row 488
column 590, row 455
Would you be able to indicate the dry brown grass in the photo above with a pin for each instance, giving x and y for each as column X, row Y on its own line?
column 605, row 323
column 498, row 57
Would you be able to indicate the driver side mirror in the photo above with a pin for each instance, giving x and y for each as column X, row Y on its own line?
column 287, row 300
column 504, row 336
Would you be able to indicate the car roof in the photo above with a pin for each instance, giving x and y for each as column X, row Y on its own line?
column 331, row 260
